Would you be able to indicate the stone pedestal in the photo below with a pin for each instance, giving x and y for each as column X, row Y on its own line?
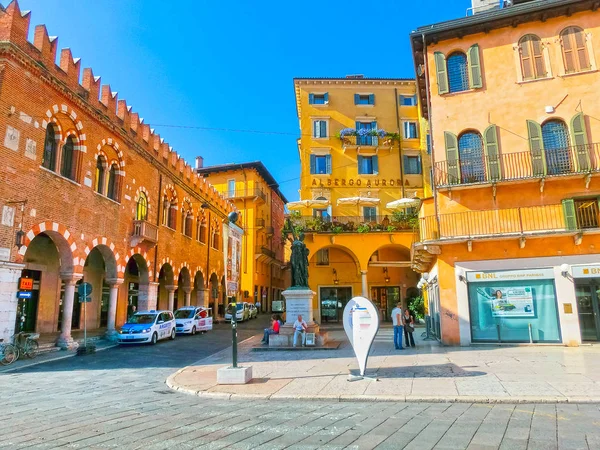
column 299, row 301
column 234, row 375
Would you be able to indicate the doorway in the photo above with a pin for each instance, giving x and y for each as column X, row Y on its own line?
column 333, row 301
column 27, row 309
column 385, row 298
column 587, row 293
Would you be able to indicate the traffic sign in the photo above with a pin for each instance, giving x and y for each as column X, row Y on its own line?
column 24, row 294
column 84, row 289
column 25, row 284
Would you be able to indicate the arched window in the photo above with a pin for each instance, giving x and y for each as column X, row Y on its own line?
column 555, row 136
column 216, row 240
column 166, row 207
column 100, row 174
column 575, row 54
column 170, row 210
column 458, row 72
column 141, row 211
column 189, row 222
column 532, row 58
column 470, row 155
column 49, row 157
column 201, row 230
column 173, row 214
column 113, row 182
column 67, row 161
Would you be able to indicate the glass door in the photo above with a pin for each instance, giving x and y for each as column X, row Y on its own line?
column 587, row 306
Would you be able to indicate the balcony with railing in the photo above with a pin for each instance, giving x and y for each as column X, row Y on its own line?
column 355, row 224
column 375, row 142
column 144, row 231
column 262, row 250
column 250, row 193
column 520, row 222
column 575, row 160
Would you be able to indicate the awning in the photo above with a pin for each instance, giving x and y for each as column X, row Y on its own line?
column 358, row 201
column 403, row 203
column 301, row 204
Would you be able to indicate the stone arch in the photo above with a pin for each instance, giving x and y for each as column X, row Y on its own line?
column 115, row 268
column 69, row 113
column 64, row 242
column 313, row 254
column 142, row 265
column 199, row 291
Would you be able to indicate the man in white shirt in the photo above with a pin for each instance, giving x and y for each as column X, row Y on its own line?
column 300, row 328
column 397, row 321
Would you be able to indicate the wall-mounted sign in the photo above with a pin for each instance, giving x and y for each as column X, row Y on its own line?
column 356, row 182
column 24, row 294
column 25, row 284
column 510, row 275
column 589, row 271
column 361, row 323
column 508, row 301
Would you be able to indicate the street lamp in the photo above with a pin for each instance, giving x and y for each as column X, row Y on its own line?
column 20, row 239
column 335, row 278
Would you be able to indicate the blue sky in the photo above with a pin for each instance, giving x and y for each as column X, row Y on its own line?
column 230, row 64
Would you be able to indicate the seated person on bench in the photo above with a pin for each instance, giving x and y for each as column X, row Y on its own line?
column 300, row 328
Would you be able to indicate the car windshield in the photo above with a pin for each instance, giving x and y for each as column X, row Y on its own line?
column 184, row 314
column 142, row 318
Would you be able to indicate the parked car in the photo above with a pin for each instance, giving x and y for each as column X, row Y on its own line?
column 242, row 312
column 192, row 319
column 252, row 311
column 148, row 326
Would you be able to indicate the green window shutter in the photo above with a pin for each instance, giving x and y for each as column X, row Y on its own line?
column 474, row 62
column 492, row 157
column 569, row 212
column 441, row 72
column 580, row 140
column 452, row 157
column 536, row 147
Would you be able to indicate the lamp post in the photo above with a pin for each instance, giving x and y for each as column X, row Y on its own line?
column 233, row 217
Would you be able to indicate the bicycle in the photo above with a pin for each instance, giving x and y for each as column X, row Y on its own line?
column 26, row 344
column 8, row 353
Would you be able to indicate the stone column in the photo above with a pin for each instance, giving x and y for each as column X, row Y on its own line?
column 114, row 283
column 200, row 296
column 171, row 290
column 188, row 295
column 365, row 286
column 65, row 341
column 148, row 296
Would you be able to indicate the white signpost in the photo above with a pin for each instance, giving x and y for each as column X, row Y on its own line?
column 361, row 323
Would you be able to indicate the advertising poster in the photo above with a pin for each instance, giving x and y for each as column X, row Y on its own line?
column 233, row 257
column 514, row 301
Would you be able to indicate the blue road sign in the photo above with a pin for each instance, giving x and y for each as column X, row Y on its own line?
column 24, row 294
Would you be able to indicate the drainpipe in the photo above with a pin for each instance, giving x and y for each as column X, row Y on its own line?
column 399, row 142
column 433, row 189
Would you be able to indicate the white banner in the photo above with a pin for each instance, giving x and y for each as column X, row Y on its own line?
column 232, row 251
column 510, row 275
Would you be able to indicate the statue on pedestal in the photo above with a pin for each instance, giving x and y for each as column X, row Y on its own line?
column 299, row 258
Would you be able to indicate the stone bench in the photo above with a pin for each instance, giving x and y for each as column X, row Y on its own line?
column 287, row 339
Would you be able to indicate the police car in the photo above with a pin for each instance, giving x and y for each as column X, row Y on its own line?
column 192, row 319
column 148, row 326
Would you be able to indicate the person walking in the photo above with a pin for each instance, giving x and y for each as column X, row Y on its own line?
column 397, row 321
column 300, row 328
column 409, row 327
column 258, row 307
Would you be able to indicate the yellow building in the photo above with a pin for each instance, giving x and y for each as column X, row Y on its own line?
column 257, row 196
column 362, row 146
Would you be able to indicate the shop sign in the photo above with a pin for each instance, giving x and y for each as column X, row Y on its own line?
column 361, row 323
column 510, row 275
column 351, row 182
column 586, row 271
column 25, row 284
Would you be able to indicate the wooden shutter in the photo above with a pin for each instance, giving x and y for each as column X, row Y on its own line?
column 375, row 162
column 580, row 141
column 492, row 157
column 569, row 213
column 452, row 158
column 315, row 128
column 538, row 57
column 326, row 96
column 536, row 147
column 356, row 99
column 475, row 80
column 441, row 72
column 323, row 128
column 374, row 139
column 328, row 163
column 360, row 164
column 526, row 58
column 371, row 99
column 313, row 164
column 311, row 99
column 419, row 165
column 567, row 50
column 581, row 56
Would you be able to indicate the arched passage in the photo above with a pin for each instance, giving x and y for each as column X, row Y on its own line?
column 166, row 287
column 184, row 289
column 136, row 283
column 199, row 292
column 390, row 277
column 334, row 274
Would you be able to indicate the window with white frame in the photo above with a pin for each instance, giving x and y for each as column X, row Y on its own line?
column 320, row 128
column 411, row 130
column 320, row 164
column 318, row 99
column 323, row 257
column 408, row 100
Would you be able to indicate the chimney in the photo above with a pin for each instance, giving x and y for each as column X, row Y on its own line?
column 199, row 162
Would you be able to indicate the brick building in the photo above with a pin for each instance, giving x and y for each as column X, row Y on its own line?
column 89, row 192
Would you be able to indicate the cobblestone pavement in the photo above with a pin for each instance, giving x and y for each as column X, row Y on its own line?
column 118, row 399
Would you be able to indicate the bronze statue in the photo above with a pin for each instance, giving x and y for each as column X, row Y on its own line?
column 299, row 258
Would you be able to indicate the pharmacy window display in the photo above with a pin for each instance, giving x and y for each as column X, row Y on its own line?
column 513, row 306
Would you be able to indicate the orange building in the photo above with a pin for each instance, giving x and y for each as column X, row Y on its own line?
column 509, row 240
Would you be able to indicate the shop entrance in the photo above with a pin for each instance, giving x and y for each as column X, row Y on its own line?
column 333, row 301
column 587, row 293
column 385, row 298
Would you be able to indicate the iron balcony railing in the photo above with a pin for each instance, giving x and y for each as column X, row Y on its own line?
column 354, row 224
column 496, row 222
column 245, row 193
column 261, row 249
column 580, row 159
column 144, row 231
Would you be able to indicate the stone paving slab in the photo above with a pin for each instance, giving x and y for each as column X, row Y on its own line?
column 428, row 373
